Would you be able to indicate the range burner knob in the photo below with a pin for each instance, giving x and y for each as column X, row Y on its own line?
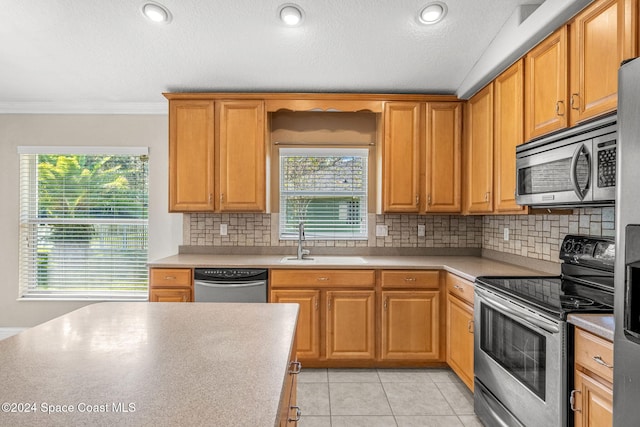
column 567, row 246
column 577, row 248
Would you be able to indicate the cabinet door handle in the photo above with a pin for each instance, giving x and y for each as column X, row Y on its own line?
column 296, row 367
column 470, row 326
column 572, row 400
column 385, row 305
column 558, row 103
column 221, row 197
column 210, row 197
column 298, row 415
column 329, row 303
column 575, row 105
column 599, row 361
column 315, row 302
column 429, row 200
column 417, row 200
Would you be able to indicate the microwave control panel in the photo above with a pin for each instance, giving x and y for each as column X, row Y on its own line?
column 606, row 164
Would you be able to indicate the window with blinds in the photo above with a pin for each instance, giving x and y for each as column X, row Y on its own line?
column 83, row 223
column 326, row 188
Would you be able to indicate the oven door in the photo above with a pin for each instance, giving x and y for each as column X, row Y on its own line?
column 554, row 174
column 520, row 362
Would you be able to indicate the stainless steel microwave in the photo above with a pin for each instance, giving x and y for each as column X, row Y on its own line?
column 571, row 168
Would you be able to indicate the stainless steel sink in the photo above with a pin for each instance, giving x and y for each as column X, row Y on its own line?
column 325, row 260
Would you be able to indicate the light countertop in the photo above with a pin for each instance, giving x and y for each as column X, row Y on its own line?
column 602, row 325
column 165, row 364
column 468, row 267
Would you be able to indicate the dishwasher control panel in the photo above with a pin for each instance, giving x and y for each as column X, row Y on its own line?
column 222, row 274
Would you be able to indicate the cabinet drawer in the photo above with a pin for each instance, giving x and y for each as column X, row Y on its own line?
column 170, row 277
column 411, row 279
column 593, row 353
column 460, row 287
column 322, row 278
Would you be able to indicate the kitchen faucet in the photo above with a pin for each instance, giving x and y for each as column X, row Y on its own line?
column 301, row 252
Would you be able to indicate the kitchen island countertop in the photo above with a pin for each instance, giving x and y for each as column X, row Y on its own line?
column 468, row 267
column 150, row 364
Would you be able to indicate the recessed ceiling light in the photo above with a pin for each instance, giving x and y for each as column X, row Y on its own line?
column 290, row 14
column 156, row 12
column 432, row 13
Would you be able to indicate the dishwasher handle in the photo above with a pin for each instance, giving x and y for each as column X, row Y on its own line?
column 227, row 285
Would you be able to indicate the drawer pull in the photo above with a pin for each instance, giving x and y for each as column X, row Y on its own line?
column 572, row 400
column 296, row 367
column 599, row 361
column 322, row 279
column 458, row 287
column 409, row 279
column 298, row 415
column 169, row 277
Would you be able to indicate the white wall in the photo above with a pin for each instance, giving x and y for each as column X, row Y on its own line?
column 165, row 230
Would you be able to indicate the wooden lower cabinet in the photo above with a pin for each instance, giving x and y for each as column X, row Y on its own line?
column 410, row 325
column 460, row 338
column 593, row 402
column 170, row 285
column 350, row 325
column 308, row 330
column 289, row 413
column 169, row 295
column 592, row 396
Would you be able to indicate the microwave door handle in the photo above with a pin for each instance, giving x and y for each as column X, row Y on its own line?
column 574, row 171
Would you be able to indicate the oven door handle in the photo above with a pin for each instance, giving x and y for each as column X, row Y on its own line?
column 491, row 301
column 229, row 284
column 574, row 171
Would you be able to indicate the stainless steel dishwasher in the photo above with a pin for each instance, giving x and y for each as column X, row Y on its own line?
column 230, row 285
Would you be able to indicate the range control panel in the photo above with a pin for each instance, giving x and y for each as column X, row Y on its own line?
column 595, row 251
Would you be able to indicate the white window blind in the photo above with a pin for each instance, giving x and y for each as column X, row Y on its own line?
column 326, row 188
column 83, row 223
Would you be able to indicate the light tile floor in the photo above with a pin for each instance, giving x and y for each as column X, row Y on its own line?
column 384, row 398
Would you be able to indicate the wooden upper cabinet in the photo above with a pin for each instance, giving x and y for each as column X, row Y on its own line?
column 546, row 106
column 443, row 157
column 479, row 152
column 508, row 132
column 601, row 37
column 400, row 157
column 242, row 156
column 191, row 156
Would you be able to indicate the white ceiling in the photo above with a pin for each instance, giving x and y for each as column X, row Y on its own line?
column 96, row 53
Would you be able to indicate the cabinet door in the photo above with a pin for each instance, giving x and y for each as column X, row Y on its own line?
column 350, row 325
column 169, row 295
column 191, row 156
column 546, row 108
column 308, row 329
column 479, row 152
column 242, row 156
column 599, row 42
column 460, row 339
column 508, row 132
column 400, row 157
column 443, row 157
column 594, row 402
column 410, row 325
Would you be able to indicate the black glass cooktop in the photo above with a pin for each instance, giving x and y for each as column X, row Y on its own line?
column 553, row 295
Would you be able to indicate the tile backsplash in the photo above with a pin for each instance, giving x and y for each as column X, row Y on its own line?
column 531, row 236
column 540, row 236
column 441, row 231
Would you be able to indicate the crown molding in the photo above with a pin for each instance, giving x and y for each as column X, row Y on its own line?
column 83, row 108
